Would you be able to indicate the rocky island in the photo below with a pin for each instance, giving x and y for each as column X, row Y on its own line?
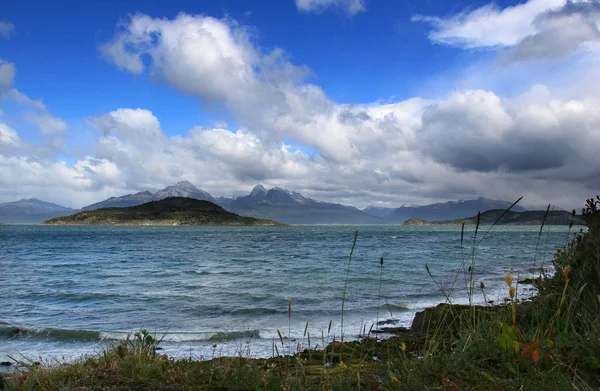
column 534, row 217
column 171, row 211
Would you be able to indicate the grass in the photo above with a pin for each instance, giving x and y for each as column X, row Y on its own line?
column 550, row 342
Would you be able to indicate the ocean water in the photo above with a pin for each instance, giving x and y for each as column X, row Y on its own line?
column 213, row 291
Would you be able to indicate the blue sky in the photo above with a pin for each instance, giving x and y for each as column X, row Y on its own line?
column 362, row 58
column 355, row 101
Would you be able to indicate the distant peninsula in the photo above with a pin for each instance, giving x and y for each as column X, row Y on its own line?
column 172, row 211
column 510, row 218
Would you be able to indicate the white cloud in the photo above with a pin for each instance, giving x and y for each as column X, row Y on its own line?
column 489, row 26
column 351, row 7
column 479, row 131
column 133, row 124
column 6, row 29
column 472, row 143
column 534, row 30
column 7, row 76
column 559, row 33
column 216, row 61
column 8, row 136
column 52, row 130
column 218, row 55
column 47, row 124
column 206, row 155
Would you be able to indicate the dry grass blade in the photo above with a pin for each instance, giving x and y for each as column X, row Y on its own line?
column 498, row 219
column 379, row 296
column 537, row 246
column 346, row 284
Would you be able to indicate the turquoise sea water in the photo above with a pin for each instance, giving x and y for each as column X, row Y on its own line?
column 224, row 290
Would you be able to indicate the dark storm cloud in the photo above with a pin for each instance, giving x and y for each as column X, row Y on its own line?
column 560, row 33
column 478, row 132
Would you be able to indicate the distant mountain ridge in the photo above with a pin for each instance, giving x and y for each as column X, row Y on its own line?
column 276, row 203
column 180, row 189
column 378, row 211
column 293, row 208
column 31, row 211
column 450, row 210
column 501, row 217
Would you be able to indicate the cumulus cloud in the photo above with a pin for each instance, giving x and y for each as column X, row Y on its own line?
column 469, row 144
column 559, row 33
column 479, row 131
column 131, row 124
column 351, row 7
column 217, row 61
column 489, row 26
column 148, row 159
column 534, row 30
column 6, row 29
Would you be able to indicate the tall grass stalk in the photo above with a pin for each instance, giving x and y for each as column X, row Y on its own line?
column 477, row 243
column 290, row 326
column 346, row 285
column 472, row 266
column 545, row 251
column 379, row 296
column 537, row 245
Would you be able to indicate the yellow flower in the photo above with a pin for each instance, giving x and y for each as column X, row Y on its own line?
column 511, row 292
column 508, row 279
column 566, row 270
column 403, row 347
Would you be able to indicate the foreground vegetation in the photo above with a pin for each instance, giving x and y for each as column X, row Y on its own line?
column 551, row 342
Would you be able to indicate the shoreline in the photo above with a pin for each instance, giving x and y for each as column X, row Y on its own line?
column 389, row 326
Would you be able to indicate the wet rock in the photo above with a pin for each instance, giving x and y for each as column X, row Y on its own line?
column 530, row 281
column 445, row 316
column 391, row 330
column 387, row 321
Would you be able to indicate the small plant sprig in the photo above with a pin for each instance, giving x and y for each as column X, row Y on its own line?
column 511, row 293
column 142, row 343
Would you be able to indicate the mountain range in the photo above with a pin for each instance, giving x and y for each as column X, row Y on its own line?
column 450, row 210
column 276, row 204
column 181, row 189
column 501, row 217
column 31, row 211
column 291, row 207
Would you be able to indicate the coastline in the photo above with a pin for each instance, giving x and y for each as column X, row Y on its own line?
column 165, row 223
